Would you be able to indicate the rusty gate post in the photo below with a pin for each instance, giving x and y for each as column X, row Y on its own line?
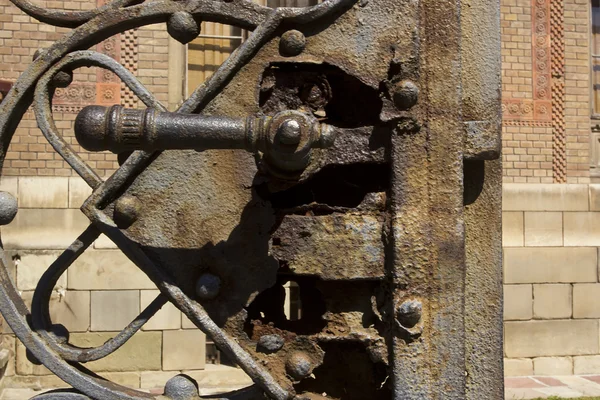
column 350, row 147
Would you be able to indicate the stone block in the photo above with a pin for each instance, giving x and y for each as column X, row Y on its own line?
column 9, row 184
column 69, row 308
column 518, row 367
column 113, row 310
column 548, row 366
column 31, row 265
column 36, row 383
column 140, row 353
column 79, row 191
column 44, row 229
column 552, row 301
column 594, row 190
column 127, row 379
column 43, row 192
column 518, row 301
column 215, row 376
column 184, row 349
column 168, row 317
column 186, row 323
column 545, row 197
column 585, row 300
column 512, row 229
column 586, row 365
column 582, row 229
column 550, row 338
column 155, row 379
column 106, row 270
column 26, row 364
column 9, row 342
column 543, row 229
column 103, row 242
column 550, row 264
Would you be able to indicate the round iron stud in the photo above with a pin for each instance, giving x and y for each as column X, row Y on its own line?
column 270, row 343
column 183, row 27
column 292, row 43
column 409, row 313
column 405, row 94
column 127, row 210
column 8, row 208
column 289, row 132
column 299, row 365
column 181, row 387
column 62, row 79
column 208, row 286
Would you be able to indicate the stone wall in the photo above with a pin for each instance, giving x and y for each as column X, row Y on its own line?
column 99, row 295
column 551, row 238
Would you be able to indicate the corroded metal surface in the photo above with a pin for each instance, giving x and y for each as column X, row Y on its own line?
column 341, row 148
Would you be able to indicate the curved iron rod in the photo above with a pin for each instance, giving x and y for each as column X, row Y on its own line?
column 43, row 106
column 66, row 19
column 16, row 314
column 40, row 314
column 194, row 311
column 11, row 111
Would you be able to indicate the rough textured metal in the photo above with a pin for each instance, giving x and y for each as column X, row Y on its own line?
column 344, row 158
column 8, row 208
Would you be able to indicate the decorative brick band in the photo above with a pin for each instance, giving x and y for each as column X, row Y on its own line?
column 129, row 59
column 559, row 139
column 541, row 50
column 537, row 124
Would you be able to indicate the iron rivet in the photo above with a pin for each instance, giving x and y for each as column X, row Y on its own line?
column 183, row 27
column 289, row 132
column 37, row 53
column 405, row 94
column 292, row 43
column 181, row 387
column 208, row 286
column 299, row 365
column 62, row 79
column 8, row 208
column 270, row 343
column 127, row 209
column 409, row 313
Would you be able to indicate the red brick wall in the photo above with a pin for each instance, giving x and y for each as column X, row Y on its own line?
column 144, row 52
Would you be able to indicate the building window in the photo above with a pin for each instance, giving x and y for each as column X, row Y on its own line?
column 595, row 50
column 217, row 41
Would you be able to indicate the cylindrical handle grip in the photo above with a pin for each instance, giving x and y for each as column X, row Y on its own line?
column 119, row 129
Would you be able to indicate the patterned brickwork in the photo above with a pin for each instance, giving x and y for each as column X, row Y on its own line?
column 527, row 123
column 577, row 89
column 559, row 139
column 545, row 90
column 143, row 51
column 129, row 58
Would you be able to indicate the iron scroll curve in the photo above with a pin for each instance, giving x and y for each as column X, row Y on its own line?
column 36, row 86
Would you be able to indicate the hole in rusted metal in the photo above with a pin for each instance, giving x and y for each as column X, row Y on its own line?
column 474, row 177
column 332, row 95
column 335, row 186
column 363, row 380
column 301, row 313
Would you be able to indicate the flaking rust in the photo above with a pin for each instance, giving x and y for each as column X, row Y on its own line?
column 308, row 207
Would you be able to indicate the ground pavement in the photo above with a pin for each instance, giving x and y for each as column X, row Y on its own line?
column 533, row 387
column 528, row 387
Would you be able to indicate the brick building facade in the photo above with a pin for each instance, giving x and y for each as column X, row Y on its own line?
column 551, row 201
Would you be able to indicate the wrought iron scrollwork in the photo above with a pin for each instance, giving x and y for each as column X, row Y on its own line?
column 37, row 85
